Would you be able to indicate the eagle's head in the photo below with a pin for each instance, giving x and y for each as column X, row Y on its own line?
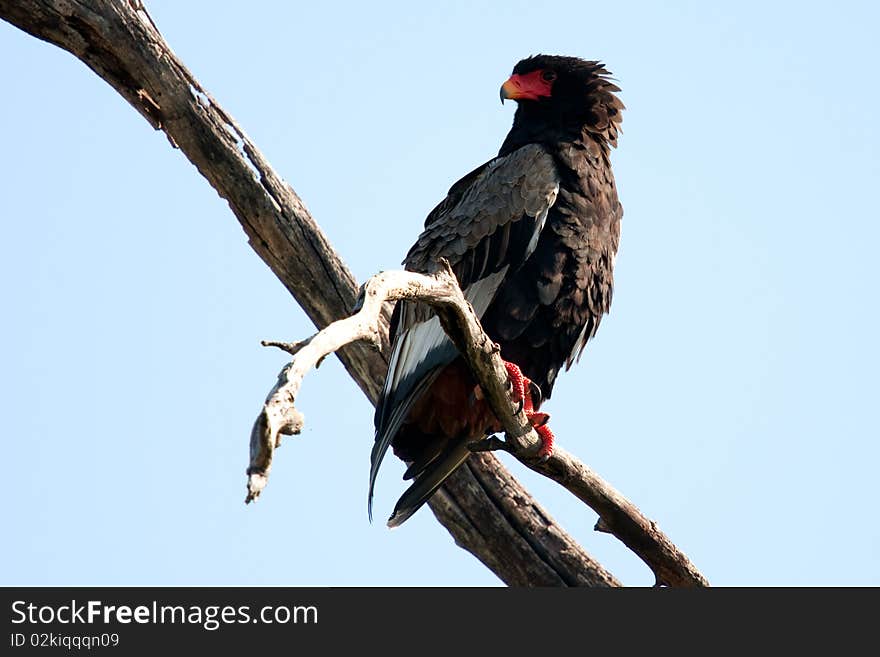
column 565, row 92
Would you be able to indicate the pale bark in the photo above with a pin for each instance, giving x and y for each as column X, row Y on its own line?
column 279, row 416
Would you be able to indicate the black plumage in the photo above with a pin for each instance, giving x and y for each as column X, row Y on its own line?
column 531, row 236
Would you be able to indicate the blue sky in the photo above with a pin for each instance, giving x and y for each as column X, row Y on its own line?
column 731, row 393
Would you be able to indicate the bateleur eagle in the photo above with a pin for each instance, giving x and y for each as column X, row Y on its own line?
column 531, row 236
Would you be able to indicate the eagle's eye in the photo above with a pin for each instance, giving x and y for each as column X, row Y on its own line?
column 548, row 76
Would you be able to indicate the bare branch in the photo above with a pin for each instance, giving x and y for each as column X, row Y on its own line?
column 292, row 348
column 618, row 516
column 278, row 415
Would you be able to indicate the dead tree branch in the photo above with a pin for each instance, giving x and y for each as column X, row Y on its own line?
column 484, row 508
column 279, row 416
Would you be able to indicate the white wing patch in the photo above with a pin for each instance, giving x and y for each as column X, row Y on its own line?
column 542, row 217
column 481, row 293
column 578, row 347
column 414, row 345
column 412, row 349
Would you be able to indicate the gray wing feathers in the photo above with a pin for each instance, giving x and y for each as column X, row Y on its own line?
column 507, row 190
column 524, row 183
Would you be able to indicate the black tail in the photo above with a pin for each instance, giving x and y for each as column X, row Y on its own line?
column 428, row 478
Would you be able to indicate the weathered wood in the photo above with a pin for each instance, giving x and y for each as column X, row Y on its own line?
column 619, row 516
column 552, row 561
column 119, row 41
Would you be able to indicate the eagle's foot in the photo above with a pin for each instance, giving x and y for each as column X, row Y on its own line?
column 520, row 386
column 547, row 438
column 526, row 393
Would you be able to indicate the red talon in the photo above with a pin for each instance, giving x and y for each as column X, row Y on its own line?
column 518, row 381
column 522, row 392
column 547, row 439
column 521, row 387
column 538, row 419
